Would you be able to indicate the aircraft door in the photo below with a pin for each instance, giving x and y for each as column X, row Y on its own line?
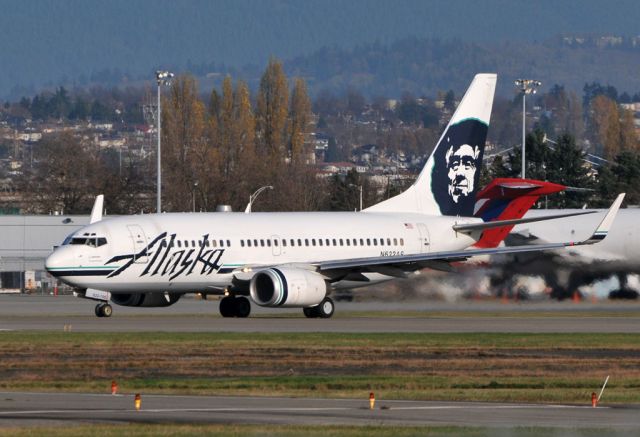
column 276, row 249
column 139, row 240
column 425, row 244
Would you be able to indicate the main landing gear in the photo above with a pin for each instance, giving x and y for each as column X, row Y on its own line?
column 324, row 310
column 104, row 310
column 235, row 307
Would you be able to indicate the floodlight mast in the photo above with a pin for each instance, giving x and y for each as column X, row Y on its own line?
column 526, row 86
column 162, row 78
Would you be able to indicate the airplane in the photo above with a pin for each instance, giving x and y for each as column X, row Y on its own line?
column 296, row 259
column 565, row 271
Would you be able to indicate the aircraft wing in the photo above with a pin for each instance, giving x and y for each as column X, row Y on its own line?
column 449, row 256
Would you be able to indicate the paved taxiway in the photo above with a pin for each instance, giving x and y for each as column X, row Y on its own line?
column 48, row 313
column 43, row 408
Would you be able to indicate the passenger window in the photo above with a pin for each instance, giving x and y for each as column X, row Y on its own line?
column 327, row 243
column 241, row 243
column 249, row 243
column 319, row 241
column 206, row 243
column 341, row 242
column 368, row 242
column 402, row 242
column 269, row 243
column 334, row 242
column 375, row 241
column 255, row 242
column 293, row 242
column 313, row 241
column 228, row 243
column 388, row 241
column 284, row 243
column 299, row 242
column 275, row 242
column 348, row 242
column 395, row 241
column 214, row 243
column 306, row 242
column 179, row 244
column 382, row 242
column 361, row 242
column 355, row 242
column 221, row 243
column 262, row 243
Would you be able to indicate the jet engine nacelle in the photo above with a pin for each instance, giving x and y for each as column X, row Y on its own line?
column 287, row 287
column 145, row 299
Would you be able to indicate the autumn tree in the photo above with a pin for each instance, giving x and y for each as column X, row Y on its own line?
column 186, row 155
column 63, row 177
column 272, row 109
column 299, row 120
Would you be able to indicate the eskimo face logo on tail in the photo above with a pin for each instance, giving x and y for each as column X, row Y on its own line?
column 456, row 172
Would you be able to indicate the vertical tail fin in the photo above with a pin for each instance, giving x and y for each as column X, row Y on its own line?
column 449, row 180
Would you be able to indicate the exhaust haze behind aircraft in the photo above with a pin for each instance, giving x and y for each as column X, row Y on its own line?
column 297, row 259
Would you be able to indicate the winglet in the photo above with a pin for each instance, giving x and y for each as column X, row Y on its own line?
column 603, row 228
column 96, row 211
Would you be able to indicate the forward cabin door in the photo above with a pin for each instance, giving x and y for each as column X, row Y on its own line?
column 139, row 240
column 425, row 243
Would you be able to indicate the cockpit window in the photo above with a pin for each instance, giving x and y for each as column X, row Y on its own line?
column 87, row 241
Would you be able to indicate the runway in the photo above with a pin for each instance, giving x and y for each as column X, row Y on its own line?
column 18, row 409
column 48, row 313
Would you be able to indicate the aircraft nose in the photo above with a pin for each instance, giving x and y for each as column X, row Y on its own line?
column 56, row 261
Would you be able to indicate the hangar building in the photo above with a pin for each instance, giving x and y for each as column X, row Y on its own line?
column 25, row 242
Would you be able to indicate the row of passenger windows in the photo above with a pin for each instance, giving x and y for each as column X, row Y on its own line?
column 292, row 242
column 329, row 242
column 198, row 243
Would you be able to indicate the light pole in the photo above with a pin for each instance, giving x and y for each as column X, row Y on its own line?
column 526, row 86
column 253, row 197
column 359, row 187
column 163, row 78
column 195, row 187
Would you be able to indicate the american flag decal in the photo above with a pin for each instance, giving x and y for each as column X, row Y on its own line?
column 408, row 226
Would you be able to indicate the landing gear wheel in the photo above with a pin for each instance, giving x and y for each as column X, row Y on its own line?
column 310, row 312
column 242, row 307
column 326, row 308
column 227, row 307
column 103, row 310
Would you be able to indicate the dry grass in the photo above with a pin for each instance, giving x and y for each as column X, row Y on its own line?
column 499, row 367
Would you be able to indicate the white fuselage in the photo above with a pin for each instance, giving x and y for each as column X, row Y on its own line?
column 191, row 252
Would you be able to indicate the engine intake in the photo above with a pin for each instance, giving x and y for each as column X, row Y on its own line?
column 145, row 299
column 287, row 287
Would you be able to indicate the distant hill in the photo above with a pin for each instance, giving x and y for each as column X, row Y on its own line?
column 50, row 42
column 425, row 66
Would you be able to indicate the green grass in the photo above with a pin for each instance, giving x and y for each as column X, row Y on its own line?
column 234, row 339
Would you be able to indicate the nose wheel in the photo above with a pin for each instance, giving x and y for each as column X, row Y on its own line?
column 103, row 310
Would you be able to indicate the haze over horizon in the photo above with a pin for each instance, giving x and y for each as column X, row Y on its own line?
column 47, row 42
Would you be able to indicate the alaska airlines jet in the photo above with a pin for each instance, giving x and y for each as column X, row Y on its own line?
column 297, row 259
